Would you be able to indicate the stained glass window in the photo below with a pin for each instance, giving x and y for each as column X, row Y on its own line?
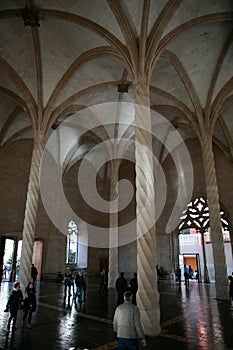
column 72, row 243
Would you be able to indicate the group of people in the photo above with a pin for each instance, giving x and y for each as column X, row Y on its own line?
column 188, row 274
column 27, row 302
column 122, row 286
column 126, row 320
column 70, row 281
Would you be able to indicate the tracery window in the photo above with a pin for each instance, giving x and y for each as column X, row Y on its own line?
column 72, row 243
column 196, row 216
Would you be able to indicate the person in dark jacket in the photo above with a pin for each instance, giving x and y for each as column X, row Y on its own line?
column 103, row 282
column 80, row 286
column 230, row 278
column 121, row 287
column 67, row 282
column 178, row 275
column 34, row 273
column 133, row 285
column 29, row 303
column 14, row 301
column 186, row 275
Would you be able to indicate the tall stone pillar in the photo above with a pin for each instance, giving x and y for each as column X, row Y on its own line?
column 30, row 215
column 206, row 273
column 147, row 296
column 113, row 230
column 221, row 281
column 173, row 251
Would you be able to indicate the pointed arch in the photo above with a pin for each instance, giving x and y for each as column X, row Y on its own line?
column 72, row 243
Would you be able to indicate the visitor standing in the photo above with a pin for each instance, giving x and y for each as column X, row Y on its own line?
column 34, row 274
column 133, row 285
column 13, row 304
column 103, row 281
column 121, row 286
column 80, row 285
column 29, row 304
column 178, row 275
column 67, row 282
column 127, row 325
column 231, row 291
column 186, row 275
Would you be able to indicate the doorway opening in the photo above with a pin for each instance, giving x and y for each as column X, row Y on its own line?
column 195, row 238
column 192, row 263
column 11, row 264
column 12, row 256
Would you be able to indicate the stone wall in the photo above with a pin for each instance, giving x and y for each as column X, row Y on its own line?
column 14, row 172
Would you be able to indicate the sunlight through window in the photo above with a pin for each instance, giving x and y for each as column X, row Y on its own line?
column 72, row 243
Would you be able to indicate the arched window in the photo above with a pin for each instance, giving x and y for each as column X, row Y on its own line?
column 72, row 243
column 196, row 216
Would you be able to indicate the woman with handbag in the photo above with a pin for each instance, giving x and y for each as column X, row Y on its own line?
column 29, row 303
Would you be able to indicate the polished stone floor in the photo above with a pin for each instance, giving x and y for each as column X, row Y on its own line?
column 191, row 318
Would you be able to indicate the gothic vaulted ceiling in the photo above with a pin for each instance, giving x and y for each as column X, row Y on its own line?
column 58, row 56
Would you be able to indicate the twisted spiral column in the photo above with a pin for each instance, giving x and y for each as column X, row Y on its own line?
column 113, row 230
column 221, row 281
column 29, row 225
column 147, row 296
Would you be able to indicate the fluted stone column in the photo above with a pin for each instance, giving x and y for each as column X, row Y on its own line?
column 221, row 281
column 113, row 231
column 29, row 225
column 147, row 296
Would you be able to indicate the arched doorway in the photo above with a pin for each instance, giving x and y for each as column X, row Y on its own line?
column 195, row 238
column 11, row 255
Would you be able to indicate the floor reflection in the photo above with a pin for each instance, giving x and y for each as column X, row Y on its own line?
column 191, row 318
column 202, row 320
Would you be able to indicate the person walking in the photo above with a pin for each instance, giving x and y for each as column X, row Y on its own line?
column 67, row 282
column 80, row 285
column 13, row 304
column 29, row 304
column 191, row 272
column 127, row 325
column 34, row 274
column 178, row 275
column 230, row 278
column 133, row 286
column 103, row 282
column 158, row 274
column 72, row 282
column 121, row 286
column 186, row 275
